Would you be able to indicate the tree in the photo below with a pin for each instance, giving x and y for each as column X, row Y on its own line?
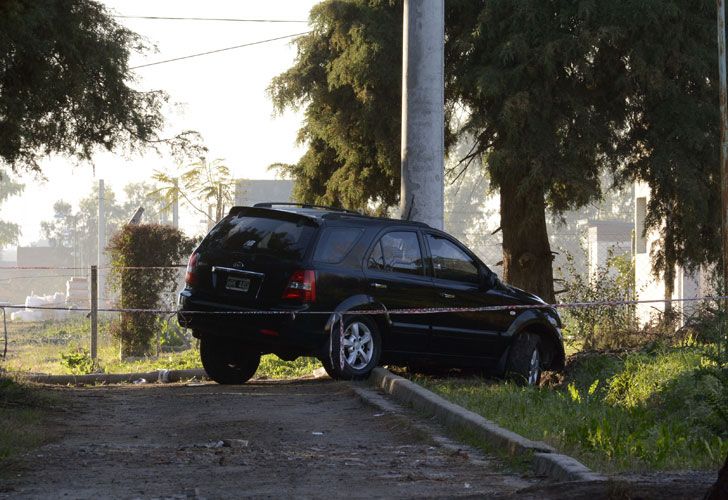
column 60, row 232
column 348, row 76
column 669, row 74
column 212, row 183
column 552, row 93
column 203, row 183
column 65, row 85
column 9, row 231
column 138, row 195
column 158, row 249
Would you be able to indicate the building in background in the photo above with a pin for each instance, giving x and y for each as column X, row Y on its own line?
column 248, row 192
column 650, row 287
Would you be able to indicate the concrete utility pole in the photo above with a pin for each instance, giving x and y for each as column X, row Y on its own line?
column 423, row 111
column 102, row 238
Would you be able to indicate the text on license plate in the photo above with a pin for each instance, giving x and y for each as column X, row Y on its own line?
column 239, row 284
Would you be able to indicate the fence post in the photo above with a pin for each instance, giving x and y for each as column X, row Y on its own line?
column 94, row 310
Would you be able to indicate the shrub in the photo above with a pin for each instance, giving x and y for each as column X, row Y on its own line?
column 77, row 361
column 141, row 256
column 601, row 327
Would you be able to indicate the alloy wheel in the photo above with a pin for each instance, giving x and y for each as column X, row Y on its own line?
column 358, row 345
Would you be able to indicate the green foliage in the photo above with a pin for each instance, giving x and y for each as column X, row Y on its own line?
column 9, row 231
column 22, row 412
column 64, row 84
column 171, row 334
column 151, row 248
column 552, row 94
column 347, row 75
column 642, row 411
column 271, row 366
column 78, row 361
column 601, row 327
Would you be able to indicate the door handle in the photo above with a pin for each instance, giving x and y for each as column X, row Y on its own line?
column 446, row 295
column 378, row 285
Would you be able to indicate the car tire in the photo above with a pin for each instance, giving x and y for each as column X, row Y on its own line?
column 525, row 359
column 362, row 349
column 228, row 361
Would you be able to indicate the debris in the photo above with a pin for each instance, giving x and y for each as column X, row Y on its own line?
column 317, row 433
column 235, row 443
column 163, row 376
column 140, row 381
column 467, row 486
column 379, row 414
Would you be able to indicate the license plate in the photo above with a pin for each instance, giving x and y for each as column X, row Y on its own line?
column 238, row 284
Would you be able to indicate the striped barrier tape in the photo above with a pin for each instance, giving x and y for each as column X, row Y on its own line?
column 409, row 311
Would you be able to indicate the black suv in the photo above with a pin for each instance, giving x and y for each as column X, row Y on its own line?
column 302, row 280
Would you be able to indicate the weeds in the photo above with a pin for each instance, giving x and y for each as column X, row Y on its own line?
column 638, row 411
column 78, row 361
column 601, row 327
column 22, row 412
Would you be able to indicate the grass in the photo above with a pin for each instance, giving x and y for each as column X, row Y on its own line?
column 61, row 347
column 22, row 413
column 640, row 411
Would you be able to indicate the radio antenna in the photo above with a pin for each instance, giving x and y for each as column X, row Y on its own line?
column 412, row 204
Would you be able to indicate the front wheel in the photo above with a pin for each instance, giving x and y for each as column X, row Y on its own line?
column 228, row 361
column 524, row 362
column 360, row 348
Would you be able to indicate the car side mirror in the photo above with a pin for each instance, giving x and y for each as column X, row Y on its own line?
column 488, row 280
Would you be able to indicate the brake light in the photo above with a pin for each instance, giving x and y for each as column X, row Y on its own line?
column 301, row 286
column 191, row 273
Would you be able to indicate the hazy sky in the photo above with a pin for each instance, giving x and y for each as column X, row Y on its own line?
column 223, row 96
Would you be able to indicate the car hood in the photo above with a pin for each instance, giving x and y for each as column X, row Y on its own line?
column 520, row 295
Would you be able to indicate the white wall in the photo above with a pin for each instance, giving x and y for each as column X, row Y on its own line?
column 648, row 286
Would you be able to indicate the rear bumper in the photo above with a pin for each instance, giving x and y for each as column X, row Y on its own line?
column 280, row 331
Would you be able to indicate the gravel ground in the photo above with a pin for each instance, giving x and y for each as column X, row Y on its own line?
column 302, row 439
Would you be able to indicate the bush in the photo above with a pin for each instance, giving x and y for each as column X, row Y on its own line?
column 151, row 249
column 78, row 361
column 601, row 327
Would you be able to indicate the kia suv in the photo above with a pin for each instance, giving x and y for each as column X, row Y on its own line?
column 356, row 291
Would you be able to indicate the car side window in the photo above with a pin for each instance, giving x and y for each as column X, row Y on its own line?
column 336, row 243
column 450, row 262
column 397, row 252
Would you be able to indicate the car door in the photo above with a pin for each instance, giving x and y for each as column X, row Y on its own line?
column 457, row 283
column 395, row 272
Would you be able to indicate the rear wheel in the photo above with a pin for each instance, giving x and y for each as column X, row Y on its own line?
column 360, row 347
column 524, row 362
column 228, row 361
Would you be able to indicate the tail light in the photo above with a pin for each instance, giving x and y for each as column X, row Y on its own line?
column 191, row 274
column 301, row 287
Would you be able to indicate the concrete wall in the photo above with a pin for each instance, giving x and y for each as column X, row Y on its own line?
column 605, row 239
column 648, row 286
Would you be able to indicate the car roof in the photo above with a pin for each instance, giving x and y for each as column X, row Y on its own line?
column 318, row 213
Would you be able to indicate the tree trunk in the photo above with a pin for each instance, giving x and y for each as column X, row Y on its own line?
column 527, row 257
column 669, row 273
column 719, row 490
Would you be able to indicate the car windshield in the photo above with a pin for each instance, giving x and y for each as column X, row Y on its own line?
column 238, row 233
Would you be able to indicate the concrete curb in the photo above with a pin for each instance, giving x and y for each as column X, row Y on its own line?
column 162, row 376
column 545, row 460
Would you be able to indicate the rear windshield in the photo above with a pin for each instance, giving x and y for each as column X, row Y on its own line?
column 238, row 233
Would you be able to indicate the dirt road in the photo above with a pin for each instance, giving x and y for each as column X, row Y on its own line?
column 265, row 439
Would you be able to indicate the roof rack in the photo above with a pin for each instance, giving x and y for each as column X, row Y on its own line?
column 372, row 217
column 271, row 204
